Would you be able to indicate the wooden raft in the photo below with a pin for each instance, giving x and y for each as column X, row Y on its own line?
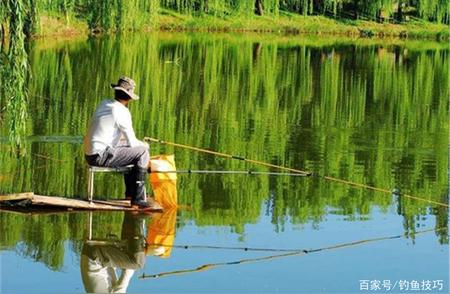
column 24, row 200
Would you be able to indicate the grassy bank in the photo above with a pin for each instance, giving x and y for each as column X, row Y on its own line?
column 59, row 25
column 62, row 26
column 294, row 23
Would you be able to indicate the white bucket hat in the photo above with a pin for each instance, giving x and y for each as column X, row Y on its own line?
column 126, row 85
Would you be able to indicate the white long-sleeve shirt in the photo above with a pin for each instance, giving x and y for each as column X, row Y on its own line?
column 98, row 278
column 110, row 123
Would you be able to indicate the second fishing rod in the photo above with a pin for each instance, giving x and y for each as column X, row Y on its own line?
column 395, row 192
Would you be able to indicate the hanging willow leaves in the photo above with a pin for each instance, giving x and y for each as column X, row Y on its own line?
column 15, row 75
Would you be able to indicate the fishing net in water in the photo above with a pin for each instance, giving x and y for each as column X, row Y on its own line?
column 163, row 180
column 161, row 233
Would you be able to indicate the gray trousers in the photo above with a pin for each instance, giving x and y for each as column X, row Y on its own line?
column 128, row 253
column 138, row 156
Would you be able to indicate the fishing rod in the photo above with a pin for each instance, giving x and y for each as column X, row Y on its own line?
column 228, row 156
column 306, row 173
column 297, row 252
column 243, row 172
column 210, row 266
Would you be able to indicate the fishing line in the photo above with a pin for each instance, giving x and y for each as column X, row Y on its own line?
column 225, row 248
column 231, row 172
column 305, row 173
column 297, row 252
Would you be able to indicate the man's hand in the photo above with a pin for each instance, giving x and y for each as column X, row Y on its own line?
column 145, row 144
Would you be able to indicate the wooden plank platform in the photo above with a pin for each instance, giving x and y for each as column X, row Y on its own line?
column 24, row 200
column 16, row 197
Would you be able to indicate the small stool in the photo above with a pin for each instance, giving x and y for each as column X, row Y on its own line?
column 97, row 169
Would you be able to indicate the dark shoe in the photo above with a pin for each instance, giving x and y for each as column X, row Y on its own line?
column 140, row 204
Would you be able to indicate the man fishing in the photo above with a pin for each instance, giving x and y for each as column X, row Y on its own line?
column 111, row 141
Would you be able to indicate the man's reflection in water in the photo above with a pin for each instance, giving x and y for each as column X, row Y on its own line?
column 100, row 259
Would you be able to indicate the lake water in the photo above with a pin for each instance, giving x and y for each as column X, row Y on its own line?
column 367, row 111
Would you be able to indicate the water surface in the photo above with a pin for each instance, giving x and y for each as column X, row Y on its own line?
column 365, row 111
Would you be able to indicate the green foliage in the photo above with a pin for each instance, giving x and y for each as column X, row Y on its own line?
column 43, row 238
column 304, row 7
column 432, row 9
column 15, row 74
column 363, row 111
column 118, row 15
column 31, row 19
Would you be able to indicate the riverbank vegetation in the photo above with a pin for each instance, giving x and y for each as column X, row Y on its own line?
column 23, row 19
column 413, row 18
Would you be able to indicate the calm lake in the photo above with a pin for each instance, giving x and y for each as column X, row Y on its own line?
column 367, row 111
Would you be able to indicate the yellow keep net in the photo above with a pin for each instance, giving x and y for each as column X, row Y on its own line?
column 163, row 182
column 161, row 230
column 162, row 166
column 161, row 233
